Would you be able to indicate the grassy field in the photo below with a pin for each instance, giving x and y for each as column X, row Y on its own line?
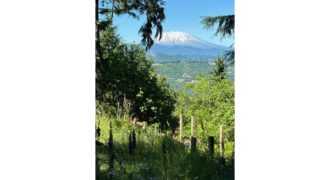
column 157, row 155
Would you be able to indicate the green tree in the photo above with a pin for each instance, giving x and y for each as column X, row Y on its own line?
column 152, row 9
column 220, row 68
column 225, row 26
column 128, row 78
column 104, row 13
column 212, row 103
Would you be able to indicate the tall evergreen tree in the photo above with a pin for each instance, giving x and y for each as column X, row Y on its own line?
column 220, row 68
column 153, row 9
column 225, row 27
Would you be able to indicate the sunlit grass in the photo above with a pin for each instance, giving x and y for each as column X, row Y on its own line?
column 148, row 161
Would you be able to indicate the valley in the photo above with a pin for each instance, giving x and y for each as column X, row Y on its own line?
column 181, row 58
column 179, row 72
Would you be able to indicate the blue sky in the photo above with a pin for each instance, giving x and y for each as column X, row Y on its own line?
column 181, row 15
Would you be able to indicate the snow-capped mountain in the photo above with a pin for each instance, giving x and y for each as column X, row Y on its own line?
column 174, row 46
column 183, row 39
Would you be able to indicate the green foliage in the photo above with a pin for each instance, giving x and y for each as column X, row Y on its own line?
column 127, row 86
column 225, row 24
column 225, row 27
column 211, row 101
column 229, row 56
column 128, row 82
column 229, row 150
column 152, row 9
column 179, row 72
column 220, row 68
column 149, row 161
column 108, row 46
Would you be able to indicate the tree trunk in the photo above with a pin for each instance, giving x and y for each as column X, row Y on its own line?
column 97, row 31
column 98, row 54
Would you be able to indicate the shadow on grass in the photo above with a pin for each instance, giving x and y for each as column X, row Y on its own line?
column 160, row 158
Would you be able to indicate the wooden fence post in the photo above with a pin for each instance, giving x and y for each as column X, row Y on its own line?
column 118, row 112
column 131, row 142
column 134, row 139
column 144, row 124
column 193, row 140
column 193, row 143
column 98, row 132
column 111, row 151
column 181, row 127
column 110, row 143
column 211, row 145
column 221, row 141
column 193, row 126
column 164, row 145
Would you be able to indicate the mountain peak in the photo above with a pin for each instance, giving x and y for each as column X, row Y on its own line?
column 176, row 45
column 178, row 38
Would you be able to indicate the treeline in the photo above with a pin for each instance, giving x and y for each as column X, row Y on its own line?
column 184, row 61
column 162, row 58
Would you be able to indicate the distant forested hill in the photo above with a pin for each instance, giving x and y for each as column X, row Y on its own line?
column 179, row 72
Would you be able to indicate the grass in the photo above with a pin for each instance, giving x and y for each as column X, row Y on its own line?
column 149, row 160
